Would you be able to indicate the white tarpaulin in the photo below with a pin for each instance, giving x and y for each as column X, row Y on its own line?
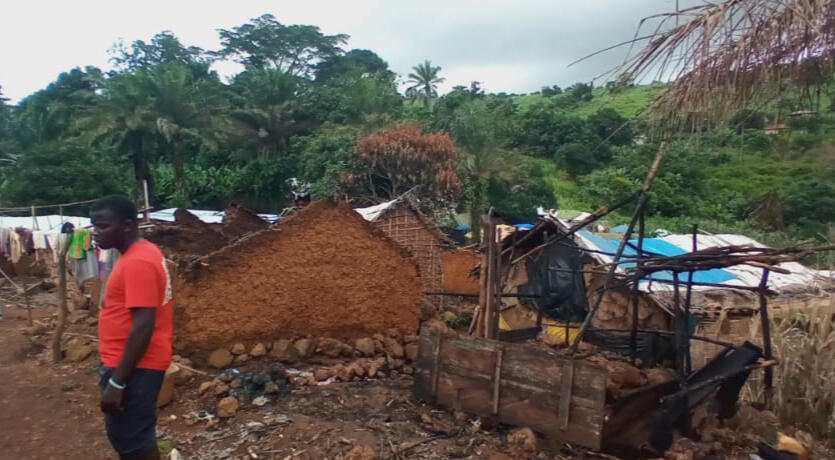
column 206, row 215
column 44, row 223
column 372, row 213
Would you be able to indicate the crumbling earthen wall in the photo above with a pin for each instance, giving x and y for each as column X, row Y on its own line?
column 322, row 272
column 188, row 237
column 239, row 221
column 615, row 310
column 456, row 267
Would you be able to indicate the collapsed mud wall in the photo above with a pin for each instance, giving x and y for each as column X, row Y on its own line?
column 239, row 221
column 322, row 272
column 186, row 238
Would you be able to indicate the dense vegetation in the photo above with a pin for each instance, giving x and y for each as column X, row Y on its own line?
column 305, row 107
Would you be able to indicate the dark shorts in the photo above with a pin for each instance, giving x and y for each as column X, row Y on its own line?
column 135, row 429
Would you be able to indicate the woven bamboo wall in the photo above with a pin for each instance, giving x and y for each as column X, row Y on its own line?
column 407, row 229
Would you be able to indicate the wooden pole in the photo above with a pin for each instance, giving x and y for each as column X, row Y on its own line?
column 766, row 326
column 147, row 202
column 639, row 208
column 681, row 340
column 635, row 296
column 688, row 297
column 62, row 292
column 490, row 295
column 497, row 285
column 26, row 294
column 484, row 273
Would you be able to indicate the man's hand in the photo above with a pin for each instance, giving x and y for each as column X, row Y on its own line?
column 111, row 400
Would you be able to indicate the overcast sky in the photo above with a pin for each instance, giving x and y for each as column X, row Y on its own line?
column 512, row 46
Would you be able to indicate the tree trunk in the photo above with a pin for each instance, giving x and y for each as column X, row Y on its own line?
column 179, row 176
column 141, row 169
column 62, row 292
column 477, row 200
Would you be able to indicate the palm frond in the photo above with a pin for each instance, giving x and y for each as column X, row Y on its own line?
column 733, row 53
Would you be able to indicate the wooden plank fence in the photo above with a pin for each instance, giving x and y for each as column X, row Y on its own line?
column 517, row 384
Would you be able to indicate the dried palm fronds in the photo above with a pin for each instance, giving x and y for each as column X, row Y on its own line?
column 727, row 55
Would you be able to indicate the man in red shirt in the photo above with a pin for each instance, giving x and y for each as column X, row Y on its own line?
column 135, row 330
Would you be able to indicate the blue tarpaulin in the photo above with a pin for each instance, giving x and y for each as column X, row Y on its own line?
column 655, row 246
column 619, row 228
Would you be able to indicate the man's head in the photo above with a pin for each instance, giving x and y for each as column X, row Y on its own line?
column 114, row 222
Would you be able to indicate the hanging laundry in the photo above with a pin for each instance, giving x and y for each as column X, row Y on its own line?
column 53, row 241
column 107, row 258
column 80, row 244
column 26, row 239
column 15, row 247
column 5, row 242
column 87, row 267
column 39, row 239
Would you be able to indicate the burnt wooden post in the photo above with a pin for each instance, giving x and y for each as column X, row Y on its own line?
column 682, row 340
column 490, row 277
column 635, row 295
column 688, row 296
column 639, row 208
column 496, row 279
column 766, row 326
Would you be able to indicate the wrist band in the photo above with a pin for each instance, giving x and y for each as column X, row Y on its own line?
column 116, row 384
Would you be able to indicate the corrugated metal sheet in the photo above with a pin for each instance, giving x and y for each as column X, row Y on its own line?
column 656, row 246
column 801, row 278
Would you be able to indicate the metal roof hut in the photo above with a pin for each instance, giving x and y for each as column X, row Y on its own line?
column 402, row 221
column 561, row 279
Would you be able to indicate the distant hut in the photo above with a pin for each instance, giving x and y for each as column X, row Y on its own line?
column 405, row 224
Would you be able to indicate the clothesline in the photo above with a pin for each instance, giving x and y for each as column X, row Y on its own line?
column 60, row 205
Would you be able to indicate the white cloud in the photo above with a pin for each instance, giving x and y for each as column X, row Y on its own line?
column 510, row 46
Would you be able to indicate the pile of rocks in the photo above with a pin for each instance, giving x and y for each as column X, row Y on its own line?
column 395, row 348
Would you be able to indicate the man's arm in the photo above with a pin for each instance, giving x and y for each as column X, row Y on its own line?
column 141, row 331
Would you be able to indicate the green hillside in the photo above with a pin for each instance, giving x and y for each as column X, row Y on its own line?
column 628, row 101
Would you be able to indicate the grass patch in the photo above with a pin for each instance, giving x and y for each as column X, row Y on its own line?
column 165, row 447
column 804, row 394
column 461, row 322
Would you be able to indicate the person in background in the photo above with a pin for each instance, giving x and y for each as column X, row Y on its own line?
column 135, row 330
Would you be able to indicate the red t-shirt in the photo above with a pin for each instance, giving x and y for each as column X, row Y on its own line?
column 139, row 279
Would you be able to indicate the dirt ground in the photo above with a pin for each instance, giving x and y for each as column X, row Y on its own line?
column 50, row 411
column 46, row 412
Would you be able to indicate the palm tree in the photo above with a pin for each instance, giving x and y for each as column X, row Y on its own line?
column 178, row 115
column 124, row 118
column 482, row 158
column 424, row 79
column 268, row 119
